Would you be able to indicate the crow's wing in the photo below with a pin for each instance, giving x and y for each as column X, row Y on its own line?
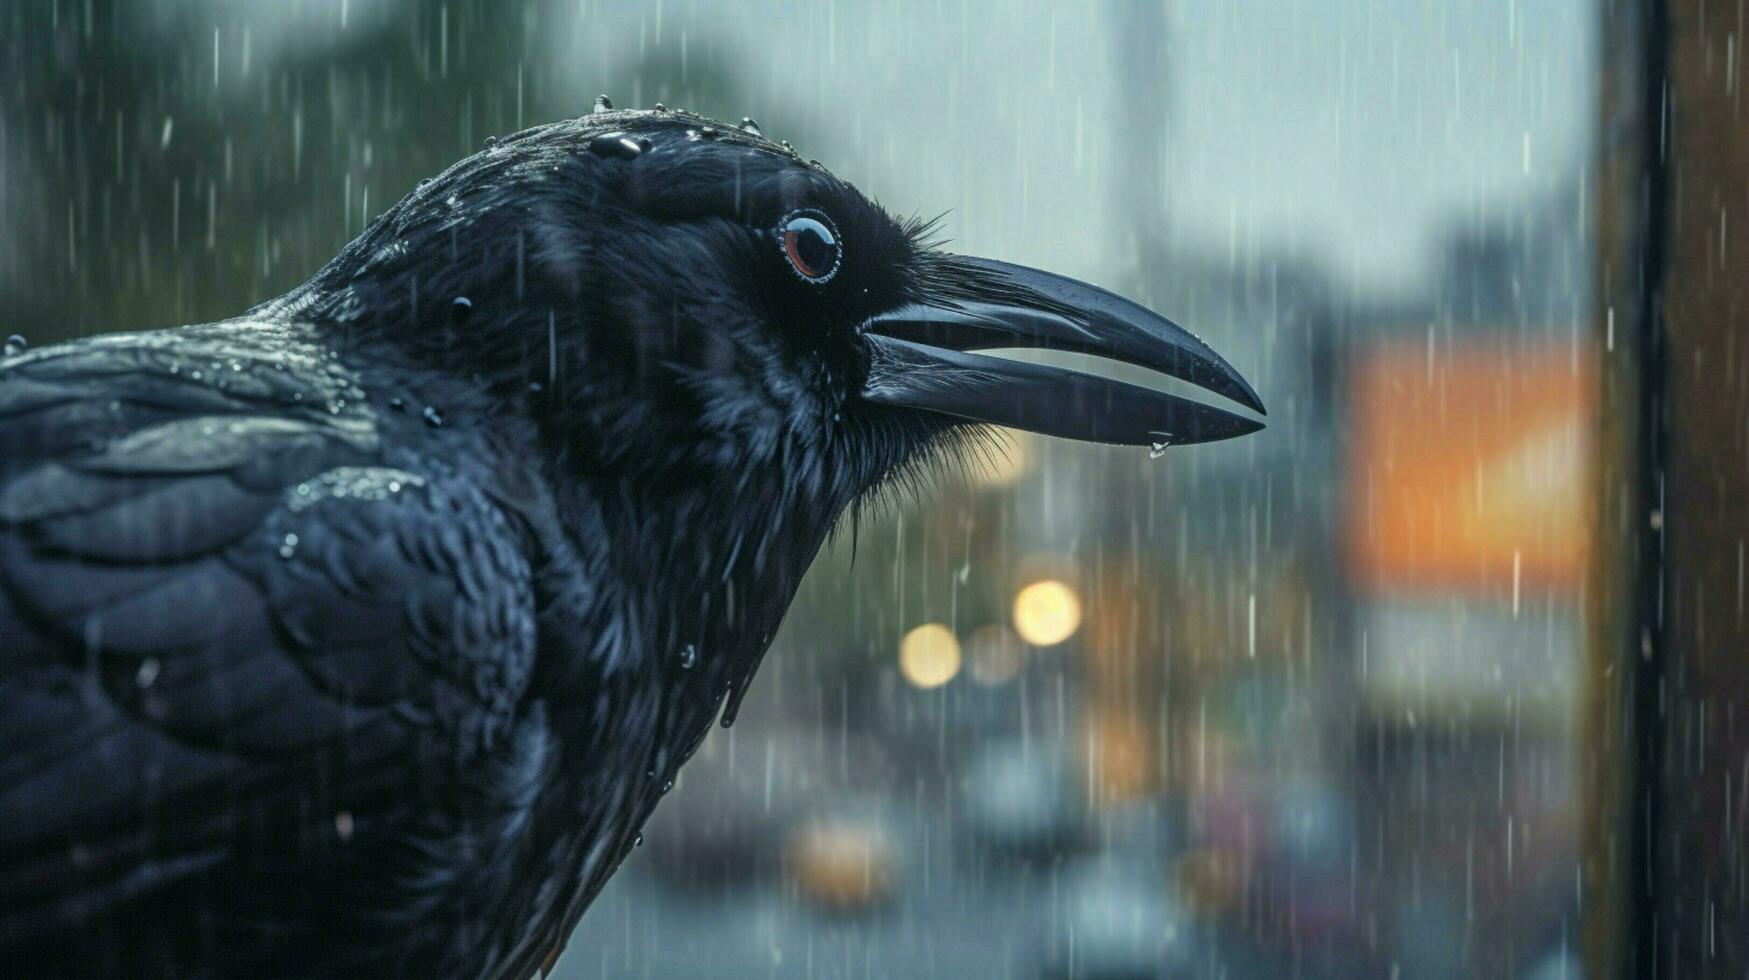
column 242, row 644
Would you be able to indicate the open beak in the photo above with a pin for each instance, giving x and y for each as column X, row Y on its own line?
column 919, row 359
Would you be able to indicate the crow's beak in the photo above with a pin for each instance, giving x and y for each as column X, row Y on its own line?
column 918, row 359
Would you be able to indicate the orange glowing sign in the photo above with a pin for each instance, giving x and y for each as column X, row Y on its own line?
column 1468, row 468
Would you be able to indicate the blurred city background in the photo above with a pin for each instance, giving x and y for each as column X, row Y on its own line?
column 1305, row 704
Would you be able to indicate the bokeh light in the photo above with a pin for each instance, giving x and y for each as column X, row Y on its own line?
column 843, row 865
column 929, row 656
column 1047, row 613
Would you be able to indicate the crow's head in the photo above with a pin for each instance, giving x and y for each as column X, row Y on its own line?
column 673, row 295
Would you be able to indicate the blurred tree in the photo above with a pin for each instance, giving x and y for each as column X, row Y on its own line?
column 168, row 163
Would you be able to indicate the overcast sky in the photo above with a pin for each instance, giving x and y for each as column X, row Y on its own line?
column 1351, row 130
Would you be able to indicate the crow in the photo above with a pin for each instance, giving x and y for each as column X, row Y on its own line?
column 362, row 632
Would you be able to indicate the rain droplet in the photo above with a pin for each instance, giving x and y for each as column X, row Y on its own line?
column 688, row 657
column 432, row 417
column 639, row 841
column 461, row 308
column 15, row 345
column 288, row 546
column 602, row 104
column 343, row 824
column 398, row 403
column 147, row 673
column 1159, row 449
column 615, row 145
column 732, row 709
column 667, row 786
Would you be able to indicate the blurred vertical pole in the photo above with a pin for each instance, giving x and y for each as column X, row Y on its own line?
column 1702, row 905
column 1138, row 47
column 1128, row 664
column 1620, row 743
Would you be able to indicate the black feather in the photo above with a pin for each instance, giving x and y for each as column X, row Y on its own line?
column 297, row 680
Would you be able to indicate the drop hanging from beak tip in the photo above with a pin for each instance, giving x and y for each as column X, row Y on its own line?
column 921, row 357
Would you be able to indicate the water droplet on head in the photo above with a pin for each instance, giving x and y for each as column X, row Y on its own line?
column 615, row 145
column 432, row 417
column 147, row 674
column 15, row 345
column 1159, row 448
column 398, row 403
column 288, row 546
column 659, row 107
column 460, row 308
column 491, row 141
column 602, row 104
column 667, row 786
column 424, row 182
column 688, row 657
column 639, row 840
column 708, row 132
column 749, row 126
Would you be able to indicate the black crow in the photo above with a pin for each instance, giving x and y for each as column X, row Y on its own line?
column 362, row 632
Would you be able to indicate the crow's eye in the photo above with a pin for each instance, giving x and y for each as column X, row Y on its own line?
column 810, row 244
